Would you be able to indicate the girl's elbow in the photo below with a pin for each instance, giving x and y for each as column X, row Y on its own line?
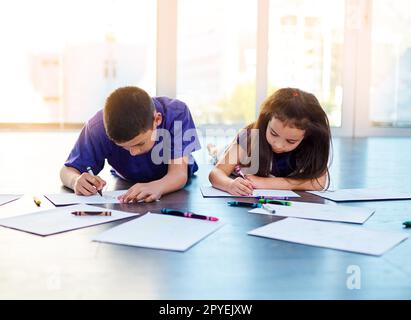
column 211, row 175
column 317, row 187
column 319, row 184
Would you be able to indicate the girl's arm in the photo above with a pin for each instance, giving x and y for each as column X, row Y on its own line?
column 220, row 174
column 289, row 183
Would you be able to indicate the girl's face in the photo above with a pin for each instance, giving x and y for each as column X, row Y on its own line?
column 283, row 138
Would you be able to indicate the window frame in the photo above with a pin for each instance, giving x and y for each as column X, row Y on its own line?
column 355, row 120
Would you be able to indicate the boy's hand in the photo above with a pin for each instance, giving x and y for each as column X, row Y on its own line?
column 240, row 187
column 148, row 192
column 87, row 185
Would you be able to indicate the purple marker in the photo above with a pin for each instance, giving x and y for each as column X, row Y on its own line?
column 237, row 170
column 187, row 214
column 272, row 198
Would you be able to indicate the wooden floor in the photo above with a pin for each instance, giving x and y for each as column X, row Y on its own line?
column 229, row 264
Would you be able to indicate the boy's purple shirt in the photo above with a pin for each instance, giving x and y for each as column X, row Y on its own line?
column 94, row 146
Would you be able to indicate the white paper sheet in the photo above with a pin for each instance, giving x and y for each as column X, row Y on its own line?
column 362, row 194
column 61, row 199
column 5, row 198
column 210, row 192
column 331, row 235
column 58, row 220
column 160, row 231
column 317, row 211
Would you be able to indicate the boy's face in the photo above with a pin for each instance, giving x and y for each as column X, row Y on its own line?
column 283, row 138
column 143, row 142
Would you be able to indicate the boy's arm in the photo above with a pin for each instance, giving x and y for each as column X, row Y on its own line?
column 89, row 150
column 289, row 183
column 176, row 176
column 68, row 176
column 81, row 183
column 174, row 180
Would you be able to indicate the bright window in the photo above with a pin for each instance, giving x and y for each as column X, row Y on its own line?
column 216, row 59
column 390, row 95
column 60, row 59
column 306, row 39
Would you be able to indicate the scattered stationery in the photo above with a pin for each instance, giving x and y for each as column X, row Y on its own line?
column 61, row 199
column 272, row 198
column 210, row 192
column 37, row 201
column 331, row 235
column 62, row 219
column 243, row 204
column 187, row 214
column 317, row 211
column 362, row 194
column 237, row 170
column 5, row 198
column 272, row 201
column 92, row 213
column 268, row 209
column 407, row 224
column 160, row 231
column 90, row 171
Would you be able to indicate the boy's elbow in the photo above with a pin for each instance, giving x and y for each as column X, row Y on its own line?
column 182, row 180
column 62, row 173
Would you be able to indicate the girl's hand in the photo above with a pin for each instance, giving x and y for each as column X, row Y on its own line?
column 241, row 187
column 148, row 192
column 257, row 181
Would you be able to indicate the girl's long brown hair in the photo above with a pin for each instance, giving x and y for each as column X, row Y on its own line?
column 299, row 109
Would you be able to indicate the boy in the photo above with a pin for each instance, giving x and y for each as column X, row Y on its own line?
column 146, row 140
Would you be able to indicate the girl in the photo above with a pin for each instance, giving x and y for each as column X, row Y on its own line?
column 289, row 149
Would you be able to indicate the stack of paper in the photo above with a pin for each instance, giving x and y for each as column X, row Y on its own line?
column 317, row 211
column 331, row 235
column 362, row 194
column 211, row 192
column 5, row 198
column 61, row 199
column 159, row 231
column 59, row 220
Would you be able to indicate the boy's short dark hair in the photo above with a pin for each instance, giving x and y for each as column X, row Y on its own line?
column 128, row 112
